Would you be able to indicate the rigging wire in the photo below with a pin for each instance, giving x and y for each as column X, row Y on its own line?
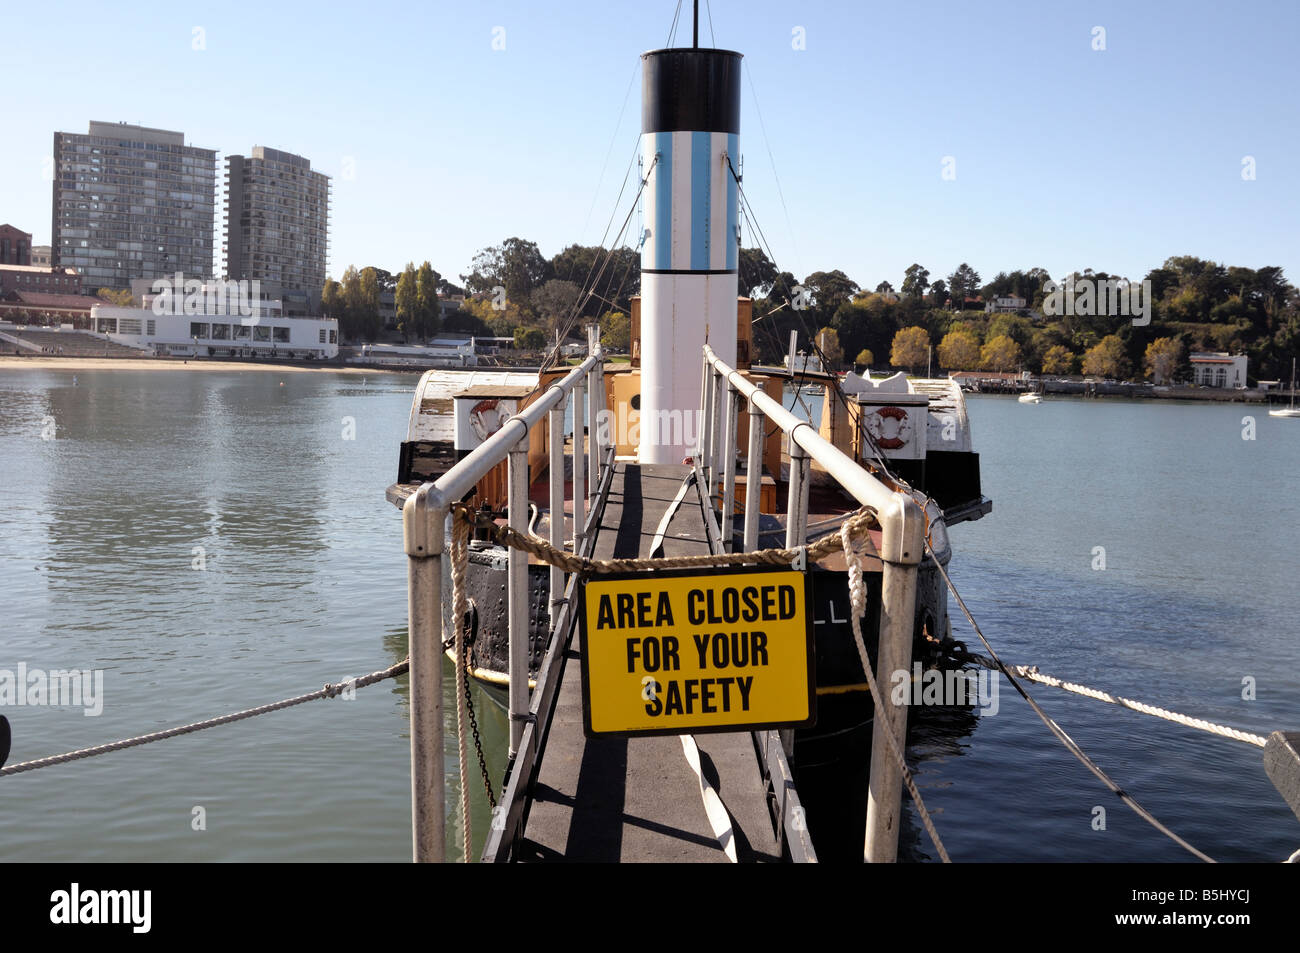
column 672, row 31
column 610, row 151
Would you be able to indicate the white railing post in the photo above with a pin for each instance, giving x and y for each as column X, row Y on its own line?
column 517, row 595
column 555, row 454
column 706, row 425
column 579, row 468
column 424, row 535
column 729, row 439
column 796, row 525
column 593, row 405
column 715, row 460
column 753, row 477
column 903, row 524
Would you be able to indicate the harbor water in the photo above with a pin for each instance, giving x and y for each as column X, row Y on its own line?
column 214, row 540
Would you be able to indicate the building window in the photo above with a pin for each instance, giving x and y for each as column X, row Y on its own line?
column 281, row 335
column 151, row 328
column 198, row 329
column 322, row 335
column 243, row 332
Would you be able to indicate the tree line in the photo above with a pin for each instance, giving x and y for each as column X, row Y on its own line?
column 513, row 290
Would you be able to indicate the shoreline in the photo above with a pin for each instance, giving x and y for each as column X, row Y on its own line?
column 49, row 362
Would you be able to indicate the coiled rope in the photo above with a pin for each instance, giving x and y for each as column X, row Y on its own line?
column 329, row 691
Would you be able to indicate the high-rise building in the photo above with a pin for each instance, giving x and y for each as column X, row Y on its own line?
column 277, row 225
column 132, row 202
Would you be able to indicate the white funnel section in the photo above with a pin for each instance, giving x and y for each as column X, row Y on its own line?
column 675, row 311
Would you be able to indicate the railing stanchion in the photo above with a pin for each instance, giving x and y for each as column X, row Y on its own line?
column 517, row 596
column 579, row 468
column 796, row 520
column 706, row 425
column 715, row 460
column 729, row 440
column 894, row 654
column 555, row 454
column 423, row 531
column 593, row 405
column 753, row 477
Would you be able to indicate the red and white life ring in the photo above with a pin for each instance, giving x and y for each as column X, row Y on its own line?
column 890, row 427
column 486, row 418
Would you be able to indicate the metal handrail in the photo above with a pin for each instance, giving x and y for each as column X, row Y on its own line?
column 424, row 519
column 902, row 530
column 901, row 519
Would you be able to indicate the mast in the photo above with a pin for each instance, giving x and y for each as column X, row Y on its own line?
column 690, row 127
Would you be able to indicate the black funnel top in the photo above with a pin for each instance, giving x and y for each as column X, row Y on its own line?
column 690, row 89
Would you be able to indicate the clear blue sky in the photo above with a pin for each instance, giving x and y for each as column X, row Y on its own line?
column 1066, row 157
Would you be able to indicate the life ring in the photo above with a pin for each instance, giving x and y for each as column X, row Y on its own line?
column 486, row 418
column 889, row 435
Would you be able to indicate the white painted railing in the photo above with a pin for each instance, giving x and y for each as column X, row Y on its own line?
column 902, row 541
column 424, row 527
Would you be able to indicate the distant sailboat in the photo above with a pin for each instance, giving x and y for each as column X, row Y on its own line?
column 1291, row 410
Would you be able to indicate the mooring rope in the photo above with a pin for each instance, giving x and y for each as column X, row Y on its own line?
column 329, row 691
column 1071, row 745
column 1032, row 673
column 858, row 609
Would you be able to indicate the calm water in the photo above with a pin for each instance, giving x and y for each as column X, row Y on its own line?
column 303, row 582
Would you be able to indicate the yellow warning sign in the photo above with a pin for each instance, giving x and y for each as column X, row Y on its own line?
column 678, row 652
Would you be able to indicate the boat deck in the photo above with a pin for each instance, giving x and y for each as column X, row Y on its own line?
column 638, row 799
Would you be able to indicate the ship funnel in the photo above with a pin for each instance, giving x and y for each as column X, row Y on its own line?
column 690, row 126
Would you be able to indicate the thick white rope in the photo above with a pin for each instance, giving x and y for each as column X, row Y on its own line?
column 1031, row 672
column 459, row 609
column 853, row 557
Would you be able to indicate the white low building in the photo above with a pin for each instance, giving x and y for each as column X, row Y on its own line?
column 1218, row 369
column 217, row 327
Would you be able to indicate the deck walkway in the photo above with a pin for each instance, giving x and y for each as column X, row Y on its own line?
column 637, row 799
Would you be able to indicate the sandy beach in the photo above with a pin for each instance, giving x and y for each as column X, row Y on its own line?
column 44, row 363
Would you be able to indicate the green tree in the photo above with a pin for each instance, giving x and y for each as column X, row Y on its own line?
column 828, row 341
column 554, row 301
column 865, row 357
column 426, row 301
column 515, row 265
column 962, row 284
column 529, row 339
column 830, row 289
column 910, row 348
column 405, row 301
column 756, row 272
column 884, row 288
column 616, row 332
column 939, row 292
column 959, row 351
column 915, row 280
